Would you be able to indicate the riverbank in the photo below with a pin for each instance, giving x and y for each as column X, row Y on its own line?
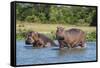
column 39, row 27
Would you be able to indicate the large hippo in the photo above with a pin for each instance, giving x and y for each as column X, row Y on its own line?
column 38, row 40
column 70, row 38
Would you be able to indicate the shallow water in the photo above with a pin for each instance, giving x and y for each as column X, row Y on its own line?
column 26, row 54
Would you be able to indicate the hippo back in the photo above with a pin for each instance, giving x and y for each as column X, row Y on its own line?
column 74, row 35
column 46, row 39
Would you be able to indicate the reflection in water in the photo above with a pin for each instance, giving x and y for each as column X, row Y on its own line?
column 31, row 47
column 28, row 47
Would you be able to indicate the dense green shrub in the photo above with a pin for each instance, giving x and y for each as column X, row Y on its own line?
column 91, row 36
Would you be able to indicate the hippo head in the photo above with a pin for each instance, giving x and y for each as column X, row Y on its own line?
column 60, row 33
column 30, row 38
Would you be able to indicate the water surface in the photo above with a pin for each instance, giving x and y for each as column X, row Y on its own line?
column 26, row 54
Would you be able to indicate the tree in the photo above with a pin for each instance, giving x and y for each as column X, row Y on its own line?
column 44, row 13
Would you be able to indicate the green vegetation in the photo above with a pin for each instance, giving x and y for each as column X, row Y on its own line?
column 91, row 36
column 56, row 14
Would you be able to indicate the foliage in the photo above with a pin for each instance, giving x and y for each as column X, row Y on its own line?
column 43, row 13
column 91, row 36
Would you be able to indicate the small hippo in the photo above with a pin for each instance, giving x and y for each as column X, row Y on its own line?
column 70, row 38
column 38, row 40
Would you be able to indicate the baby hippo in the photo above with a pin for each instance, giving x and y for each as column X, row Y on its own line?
column 39, row 40
column 70, row 38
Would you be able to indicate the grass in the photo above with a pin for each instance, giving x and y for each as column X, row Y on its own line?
column 25, row 26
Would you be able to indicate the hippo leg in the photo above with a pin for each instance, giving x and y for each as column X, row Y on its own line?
column 34, row 44
column 81, row 44
column 61, row 44
column 74, row 45
column 69, row 46
column 39, row 45
column 42, row 46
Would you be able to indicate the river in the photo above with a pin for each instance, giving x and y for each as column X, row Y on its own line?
column 26, row 54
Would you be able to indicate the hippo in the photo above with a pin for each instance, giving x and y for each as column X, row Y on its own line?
column 71, row 38
column 38, row 40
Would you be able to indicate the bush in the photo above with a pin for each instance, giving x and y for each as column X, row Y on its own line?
column 91, row 36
